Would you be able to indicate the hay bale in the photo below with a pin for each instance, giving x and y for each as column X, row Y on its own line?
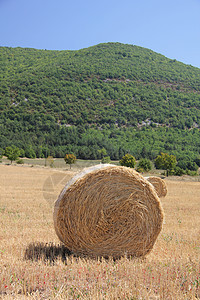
column 108, row 211
column 159, row 185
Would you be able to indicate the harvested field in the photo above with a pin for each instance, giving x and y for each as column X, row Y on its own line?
column 34, row 265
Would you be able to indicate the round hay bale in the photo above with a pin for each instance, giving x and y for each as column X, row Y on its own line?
column 159, row 185
column 108, row 211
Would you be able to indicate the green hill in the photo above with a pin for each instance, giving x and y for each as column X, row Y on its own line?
column 119, row 97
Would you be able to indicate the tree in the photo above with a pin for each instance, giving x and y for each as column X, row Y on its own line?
column 166, row 162
column 187, row 164
column 1, row 153
column 144, row 164
column 192, row 166
column 105, row 160
column 22, row 153
column 178, row 171
column 197, row 161
column 70, row 159
column 128, row 160
column 50, row 161
column 12, row 153
column 29, row 152
column 102, row 152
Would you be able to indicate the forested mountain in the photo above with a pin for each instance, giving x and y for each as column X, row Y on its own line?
column 119, row 97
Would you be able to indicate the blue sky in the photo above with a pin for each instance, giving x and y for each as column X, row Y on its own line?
column 170, row 27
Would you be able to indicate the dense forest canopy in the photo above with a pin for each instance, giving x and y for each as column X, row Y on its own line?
column 119, row 97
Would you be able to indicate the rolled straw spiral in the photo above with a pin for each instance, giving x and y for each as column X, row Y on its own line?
column 108, row 211
column 159, row 185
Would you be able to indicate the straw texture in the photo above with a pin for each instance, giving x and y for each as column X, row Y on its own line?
column 159, row 185
column 108, row 211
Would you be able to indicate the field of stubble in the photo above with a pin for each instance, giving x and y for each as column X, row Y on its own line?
column 34, row 265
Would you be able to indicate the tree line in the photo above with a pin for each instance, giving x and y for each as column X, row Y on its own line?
column 163, row 161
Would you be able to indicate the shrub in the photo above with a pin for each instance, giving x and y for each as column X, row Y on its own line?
column 128, row 160
column 50, row 161
column 1, row 153
column 144, row 164
column 187, row 165
column 191, row 173
column 140, row 170
column 20, row 161
column 29, row 152
column 192, row 166
column 197, row 161
column 178, row 171
column 105, row 160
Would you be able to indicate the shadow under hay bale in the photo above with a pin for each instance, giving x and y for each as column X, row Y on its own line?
column 159, row 185
column 46, row 252
column 108, row 211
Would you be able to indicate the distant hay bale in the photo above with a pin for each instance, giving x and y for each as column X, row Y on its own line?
column 159, row 185
column 108, row 211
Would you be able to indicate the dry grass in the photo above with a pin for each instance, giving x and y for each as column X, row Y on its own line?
column 159, row 185
column 34, row 265
column 109, row 211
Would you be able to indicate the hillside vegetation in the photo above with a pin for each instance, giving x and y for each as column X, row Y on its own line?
column 119, row 97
